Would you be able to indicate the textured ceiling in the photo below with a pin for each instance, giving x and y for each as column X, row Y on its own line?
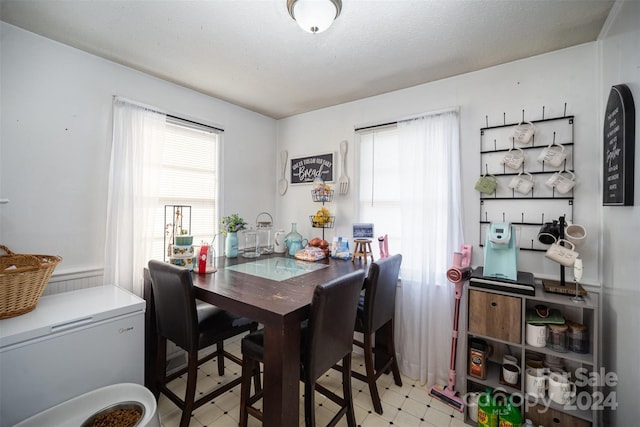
column 251, row 53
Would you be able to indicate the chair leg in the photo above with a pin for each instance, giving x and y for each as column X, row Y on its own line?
column 248, row 365
column 220, row 356
column 257, row 382
column 190, row 393
column 371, row 373
column 391, row 347
column 309, row 404
column 161, row 365
column 347, row 391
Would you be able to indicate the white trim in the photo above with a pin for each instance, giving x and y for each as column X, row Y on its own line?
column 78, row 273
column 613, row 14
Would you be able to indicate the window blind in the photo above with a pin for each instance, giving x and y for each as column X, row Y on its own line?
column 189, row 177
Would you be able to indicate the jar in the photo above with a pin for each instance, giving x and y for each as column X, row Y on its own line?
column 263, row 228
column 251, row 249
column 557, row 339
column 478, row 356
column 578, row 338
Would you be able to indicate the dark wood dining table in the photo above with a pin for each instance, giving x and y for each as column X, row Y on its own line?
column 280, row 306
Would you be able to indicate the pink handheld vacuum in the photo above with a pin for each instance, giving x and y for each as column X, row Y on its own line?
column 384, row 246
column 457, row 274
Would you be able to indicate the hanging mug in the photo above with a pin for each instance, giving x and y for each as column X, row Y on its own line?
column 554, row 154
column 575, row 233
column 562, row 183
column 513, row 158
column 522, row 183
column 549, row 232
column 486, row 184
column 523, row 132
column 565, row 255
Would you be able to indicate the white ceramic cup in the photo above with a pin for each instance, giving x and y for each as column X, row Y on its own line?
column 575, row 233
column 536, row 382
column 561, row 390
column 522, row 183
column 523, row 132
column 472, row 406
column 563, row 252
column 510, row 373
column 554, row 154
column 507, row 358
column 513, row 158
column 562, row 181
column 536, row 335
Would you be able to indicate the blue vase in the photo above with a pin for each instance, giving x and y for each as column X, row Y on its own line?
column 231, row 245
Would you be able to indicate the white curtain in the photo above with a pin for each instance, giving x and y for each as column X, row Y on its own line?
column 431, row 232
column 136, row 156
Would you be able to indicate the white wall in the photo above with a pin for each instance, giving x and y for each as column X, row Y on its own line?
column 620, row 62
column 56, row 131
column 56, row 106
column 580, row 76
column 551, row 80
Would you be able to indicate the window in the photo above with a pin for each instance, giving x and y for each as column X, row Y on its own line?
column 410, row 189
column 379, row 177
column 189, row 177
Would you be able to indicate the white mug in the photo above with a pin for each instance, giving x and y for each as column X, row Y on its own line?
column 554, row 154
column 561, row 182
column 508, row 359
column 521, row 183
column 562, row 252
column 561, row 390
column 510, row 373
column 513, row 158
column 536, row 335
column 523, row 132
column 536, row 382
column 575, row 233
column 472, row 406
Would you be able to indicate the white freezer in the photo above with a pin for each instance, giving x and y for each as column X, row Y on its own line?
column 72, row 343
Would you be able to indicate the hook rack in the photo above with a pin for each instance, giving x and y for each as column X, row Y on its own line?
column 529, row 212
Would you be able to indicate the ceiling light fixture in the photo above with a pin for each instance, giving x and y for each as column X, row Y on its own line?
column 314, row 16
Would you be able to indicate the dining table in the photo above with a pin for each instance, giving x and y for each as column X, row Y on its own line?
column 274, row 290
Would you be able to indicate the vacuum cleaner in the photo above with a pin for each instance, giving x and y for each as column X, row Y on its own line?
column 458, row 274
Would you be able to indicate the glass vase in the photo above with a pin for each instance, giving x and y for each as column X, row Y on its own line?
column 231, row 245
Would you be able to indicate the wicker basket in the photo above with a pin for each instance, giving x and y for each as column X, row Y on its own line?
column 22, row 281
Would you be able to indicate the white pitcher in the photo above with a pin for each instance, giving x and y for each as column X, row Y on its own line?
column 279, row 246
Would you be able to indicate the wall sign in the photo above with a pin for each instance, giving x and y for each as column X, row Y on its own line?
column 306, row 169
column 619, row 147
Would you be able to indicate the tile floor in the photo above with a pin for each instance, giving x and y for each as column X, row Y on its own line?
column 406, row 406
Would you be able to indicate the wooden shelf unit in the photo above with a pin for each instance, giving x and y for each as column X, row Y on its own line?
column 499, row 318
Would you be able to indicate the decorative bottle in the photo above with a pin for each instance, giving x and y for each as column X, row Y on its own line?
column 231, row 245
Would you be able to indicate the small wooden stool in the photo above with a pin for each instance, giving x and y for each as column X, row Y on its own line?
column 362, row 249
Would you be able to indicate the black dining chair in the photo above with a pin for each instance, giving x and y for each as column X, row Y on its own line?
column 376, row 311
column 326, row 339
column 192, row 326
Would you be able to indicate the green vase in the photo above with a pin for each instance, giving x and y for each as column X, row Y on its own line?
column 231, row 245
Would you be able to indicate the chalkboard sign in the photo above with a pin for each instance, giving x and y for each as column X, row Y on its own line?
column 619, row 147
column 307, row 169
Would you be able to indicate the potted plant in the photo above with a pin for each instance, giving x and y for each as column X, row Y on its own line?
column 229, row 226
